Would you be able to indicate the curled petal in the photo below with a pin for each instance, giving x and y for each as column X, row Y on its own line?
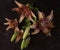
column 36, row 31
column 50, row 16
column 21, row 18
column 19, row 4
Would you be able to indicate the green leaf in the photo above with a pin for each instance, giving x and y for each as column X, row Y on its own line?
column 14, row 36
column 26, row 33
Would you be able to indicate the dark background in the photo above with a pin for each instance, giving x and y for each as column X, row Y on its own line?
column 39, row 41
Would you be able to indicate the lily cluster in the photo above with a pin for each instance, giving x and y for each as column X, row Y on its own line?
column 43, row 23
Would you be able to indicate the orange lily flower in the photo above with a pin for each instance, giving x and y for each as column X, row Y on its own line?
column 24, row 11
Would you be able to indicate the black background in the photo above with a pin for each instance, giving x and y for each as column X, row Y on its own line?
column 39, row 41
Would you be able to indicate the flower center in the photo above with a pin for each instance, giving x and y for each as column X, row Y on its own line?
column 25, row 11
column 14, row 23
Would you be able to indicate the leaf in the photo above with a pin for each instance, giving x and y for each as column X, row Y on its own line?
column 26, row 32
column 14, row 36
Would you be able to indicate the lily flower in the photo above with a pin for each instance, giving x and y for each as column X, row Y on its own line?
column 18, row 34
column 44, row 23
column 24, row 11
column 11, row 23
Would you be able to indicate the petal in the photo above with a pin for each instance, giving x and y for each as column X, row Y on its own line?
column 36, row 31
column 6, row 23
column 46, row 30
column 21, row 18
column 51, row 25
column 31, row 19
column 19, row 4
column 27, row 4
column 16, row 21
column 40, row 15
column 18, row 37
column 8, row 28
column 16, row 9
column 7, row 19
column 33, row 14
column 16, row 29
column 49, row 34
column 33, row 26
column 22, row 31
column 50, row 16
